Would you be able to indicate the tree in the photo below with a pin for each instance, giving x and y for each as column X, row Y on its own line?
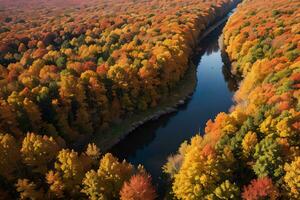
column 28, row 190
column 226, row 190
column 268, row 158
column 110, row 177
column 261, row 188
column 83, row 121
column 61, row 62
column 93, row 186
column 38, row 151
column 198, row 175
column 292, row 178
column 56, row 183
column 248, row 143
column 139, row 187
column 115, row 172
column 33, row 114
column 22, row 48
column 93, row 152
column 9, row 156
column 70, row 169
column 173, row 164
column 8, row 119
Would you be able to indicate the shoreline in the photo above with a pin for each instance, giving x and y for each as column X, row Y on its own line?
column 180, row 95
column 130, row 124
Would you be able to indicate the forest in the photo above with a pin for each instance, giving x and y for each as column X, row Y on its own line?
column 74, row 69
column 71, row 70
column 252, row 152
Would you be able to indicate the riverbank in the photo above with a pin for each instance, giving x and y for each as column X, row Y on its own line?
column 251, row 143
column 169, row 104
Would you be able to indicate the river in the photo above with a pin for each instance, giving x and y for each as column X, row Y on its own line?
column 153, row 142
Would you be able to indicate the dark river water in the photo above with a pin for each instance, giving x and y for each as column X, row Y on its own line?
column 153, row 142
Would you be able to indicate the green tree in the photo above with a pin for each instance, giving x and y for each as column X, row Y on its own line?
column 226, row 190
column 268, row 158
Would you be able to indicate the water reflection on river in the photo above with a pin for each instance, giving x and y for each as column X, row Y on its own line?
column 152, row 143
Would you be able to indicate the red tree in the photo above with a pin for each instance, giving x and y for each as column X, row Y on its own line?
column 139, row 187
column 260, row 189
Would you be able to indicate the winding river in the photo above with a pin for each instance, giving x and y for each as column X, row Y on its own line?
column 153, row 142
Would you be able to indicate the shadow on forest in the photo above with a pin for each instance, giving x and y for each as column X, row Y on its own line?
column 146, row 133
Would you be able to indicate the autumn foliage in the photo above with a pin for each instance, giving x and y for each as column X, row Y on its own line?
column 262, row 188
column 75, row 69
column 44, row 169
column 71, row 69
column 253, row 151
column 138, row 188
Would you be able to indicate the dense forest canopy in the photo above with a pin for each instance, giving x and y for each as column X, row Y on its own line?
column 71, row 68
column 253, row 152
column 79, row 67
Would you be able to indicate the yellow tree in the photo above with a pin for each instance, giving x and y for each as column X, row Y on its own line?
column 292, row 178
column 226, row 190
column 198, row 174
column 248, row 143
column 108, row 180
column 93, row 186
column 114, row 172
column 37, row 151
column 93, row 153
column 69, row 171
